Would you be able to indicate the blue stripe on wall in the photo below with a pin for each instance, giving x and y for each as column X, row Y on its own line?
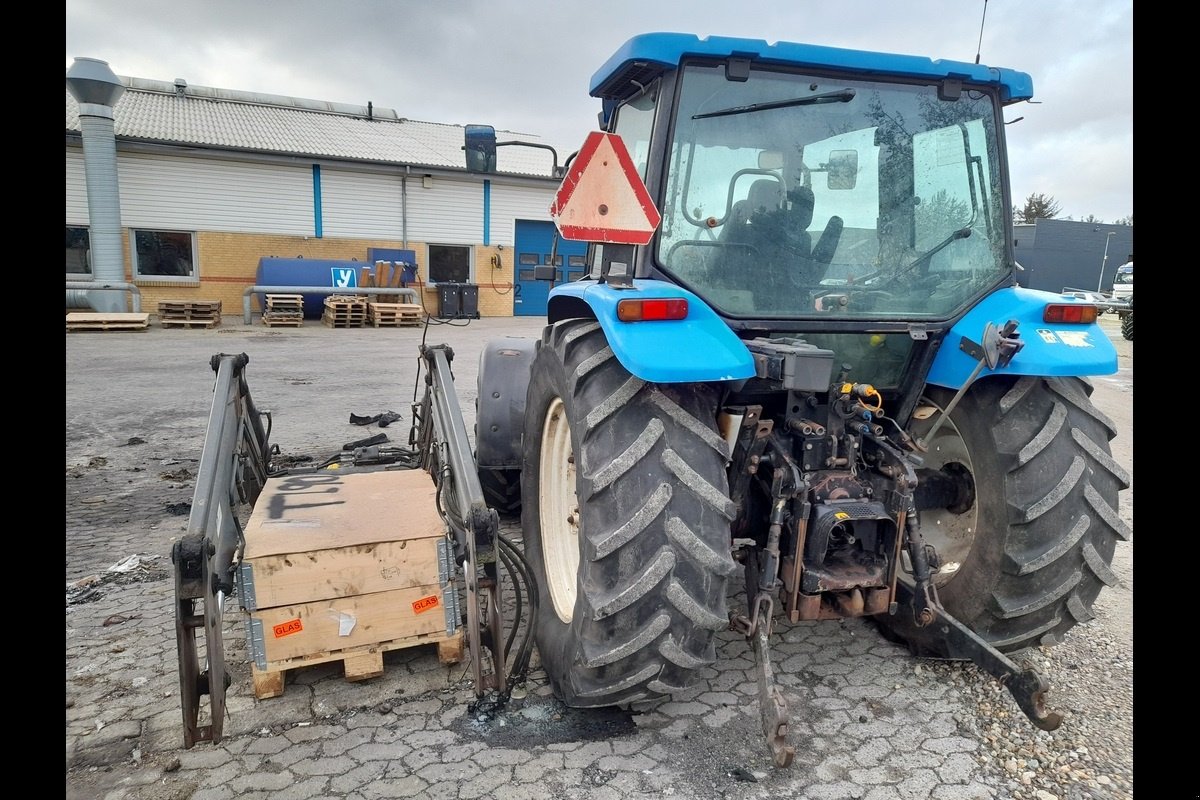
column 317, row 200
column 487, row 212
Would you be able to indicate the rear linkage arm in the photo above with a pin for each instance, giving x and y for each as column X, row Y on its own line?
column 786, row 485
column 930, row 624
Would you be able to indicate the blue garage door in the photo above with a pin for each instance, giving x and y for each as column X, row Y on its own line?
column 533, row 248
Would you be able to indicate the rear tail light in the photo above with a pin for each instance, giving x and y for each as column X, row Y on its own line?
column 1070, row 312
column 652, row 309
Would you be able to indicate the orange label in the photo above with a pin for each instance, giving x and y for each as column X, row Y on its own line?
column 288, row 628
column 425, row 603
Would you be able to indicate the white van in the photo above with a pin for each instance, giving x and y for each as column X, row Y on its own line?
column 1123, row 282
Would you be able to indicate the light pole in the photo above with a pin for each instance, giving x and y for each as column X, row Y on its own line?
column 1107, row 239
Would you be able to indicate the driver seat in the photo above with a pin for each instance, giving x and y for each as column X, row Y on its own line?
column 766, row 194
column 816, row 262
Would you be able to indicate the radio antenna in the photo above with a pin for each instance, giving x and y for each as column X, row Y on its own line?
column 979, row 46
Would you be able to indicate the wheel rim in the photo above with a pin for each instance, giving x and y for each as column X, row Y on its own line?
column 951, row 534
column 559, row 511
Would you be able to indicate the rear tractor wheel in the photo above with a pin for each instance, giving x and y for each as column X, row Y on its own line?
column 1026, row 554
column 626, row 517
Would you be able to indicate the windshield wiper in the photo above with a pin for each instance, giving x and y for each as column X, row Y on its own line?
column 840, row 96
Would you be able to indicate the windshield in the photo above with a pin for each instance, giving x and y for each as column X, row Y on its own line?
column 792, row 195
column 1124, row 276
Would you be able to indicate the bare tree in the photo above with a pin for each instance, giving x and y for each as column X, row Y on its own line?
column 1125, row 221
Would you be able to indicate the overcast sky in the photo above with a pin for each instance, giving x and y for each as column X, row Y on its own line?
column 526, row 65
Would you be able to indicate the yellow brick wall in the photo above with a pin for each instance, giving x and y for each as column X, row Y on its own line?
column 495, row 284
column 229, row 263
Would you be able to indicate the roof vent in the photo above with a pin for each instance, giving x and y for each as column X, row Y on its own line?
column 180, row 86
column 91, row 81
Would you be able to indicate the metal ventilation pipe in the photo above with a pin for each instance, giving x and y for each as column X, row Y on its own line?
column 97, row 89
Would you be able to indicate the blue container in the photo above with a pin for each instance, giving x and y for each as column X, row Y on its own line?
column 323, row 272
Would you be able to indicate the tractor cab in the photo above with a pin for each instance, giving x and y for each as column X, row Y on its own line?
column 794, row 199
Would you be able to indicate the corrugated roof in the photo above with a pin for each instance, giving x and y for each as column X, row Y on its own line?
column 156, row 111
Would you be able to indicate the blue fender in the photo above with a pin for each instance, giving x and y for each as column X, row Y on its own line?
column 700, row 347
column 1051, row 349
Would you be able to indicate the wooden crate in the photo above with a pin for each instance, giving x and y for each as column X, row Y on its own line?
column 344, row 567
column 393, row 314
column 86, row 321
column 326, row 535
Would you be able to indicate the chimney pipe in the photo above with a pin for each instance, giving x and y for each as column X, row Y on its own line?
column 97, row 89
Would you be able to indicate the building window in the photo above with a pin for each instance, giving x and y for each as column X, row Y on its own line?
column 164, row 254
column 79, row 251
column 449, row 263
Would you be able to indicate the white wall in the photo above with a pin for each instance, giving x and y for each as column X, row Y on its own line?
column 160, row 191
column 510, row 203
column 212, row 195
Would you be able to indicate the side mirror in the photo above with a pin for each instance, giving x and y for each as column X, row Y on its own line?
column 842, row 169
column 479, row 143
column 543, row 272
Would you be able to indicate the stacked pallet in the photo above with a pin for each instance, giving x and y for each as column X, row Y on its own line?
column 393, row 314
column 365, row 571
column 86, row 321
column 283, row 310
column 189, row 313
column 345, row 311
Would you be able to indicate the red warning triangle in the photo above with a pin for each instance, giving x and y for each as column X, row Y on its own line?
column 602, row 198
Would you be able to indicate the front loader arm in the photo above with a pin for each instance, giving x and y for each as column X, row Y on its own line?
column 440, row 434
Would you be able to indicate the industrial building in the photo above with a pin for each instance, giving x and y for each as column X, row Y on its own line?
column 1056, row 254
column 210, row 189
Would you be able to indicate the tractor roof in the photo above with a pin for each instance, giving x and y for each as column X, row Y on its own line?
column 646, row 56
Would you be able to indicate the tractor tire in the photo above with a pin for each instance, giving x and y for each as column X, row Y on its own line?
column 1127, row 326
column 626, row 523
column 499, row 419
column 1023, row 564
column 502, row 490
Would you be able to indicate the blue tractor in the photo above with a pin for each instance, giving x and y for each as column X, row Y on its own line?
column 818, row 377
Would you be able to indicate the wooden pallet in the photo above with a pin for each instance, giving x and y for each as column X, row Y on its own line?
column 283, row 319
column 345, row 311
column 343, row 320
column 214, row 322
column 285, row 302
column 283, row 311
column 393, row 314
column 189, row 313
column 85, row 321
column 358, row 664
column 189, row 309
